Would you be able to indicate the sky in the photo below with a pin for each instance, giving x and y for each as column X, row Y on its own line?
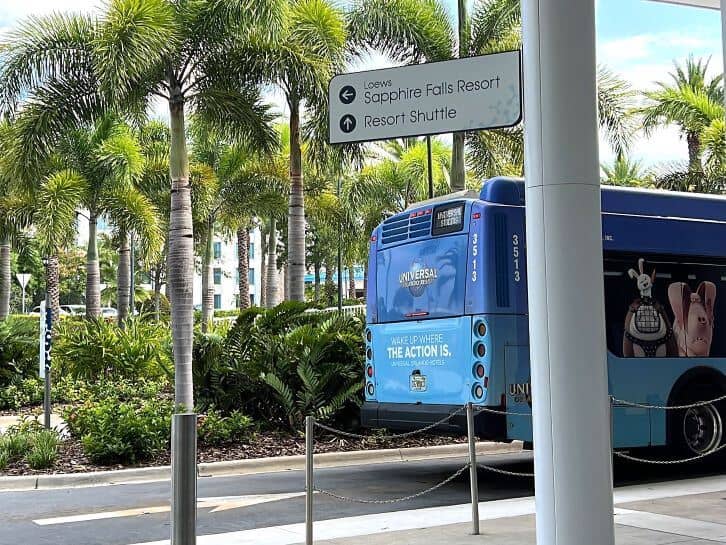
column 637, row 39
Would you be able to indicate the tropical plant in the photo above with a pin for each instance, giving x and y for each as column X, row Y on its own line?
column 626, row 172
column 245, row 185
column 691, row 100
column 280, row 364
column 413, row 31
column 114, row 431
column 96, row 349
column 193, row 54
column 301, row 61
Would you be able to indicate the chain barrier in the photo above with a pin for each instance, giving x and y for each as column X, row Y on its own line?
column 394, row 436
column 349, row 499
column 497, row 411
column 615, row 400
column 669, row 462
column 505, row 472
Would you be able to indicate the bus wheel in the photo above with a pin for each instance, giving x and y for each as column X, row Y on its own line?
column 699, row 430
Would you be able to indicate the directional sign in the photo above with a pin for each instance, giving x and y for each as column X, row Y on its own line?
column 473, row 93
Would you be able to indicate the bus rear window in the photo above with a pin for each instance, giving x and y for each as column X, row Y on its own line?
column 448, row 218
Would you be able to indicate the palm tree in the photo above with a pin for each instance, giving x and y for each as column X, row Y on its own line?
column 691, row 100
column 411, row 31
column 301, row 61
column 392, row 185
column 109, row 160
column 190, row 54
column 626, row 172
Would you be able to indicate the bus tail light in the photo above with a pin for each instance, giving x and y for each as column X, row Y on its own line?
column 480, row 350
column 369, row 353
column 480, row 328
column 370, row 389
column 479, row 371
column 477, row 391
column 369, row 335
column 369, row 371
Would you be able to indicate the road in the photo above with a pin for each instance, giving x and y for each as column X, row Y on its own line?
column 138, row 513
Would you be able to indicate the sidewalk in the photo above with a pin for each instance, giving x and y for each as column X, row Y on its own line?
column 55, row 422
column 687, row 512
column 694, row 519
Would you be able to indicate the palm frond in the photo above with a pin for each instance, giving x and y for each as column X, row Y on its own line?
column 408, row 31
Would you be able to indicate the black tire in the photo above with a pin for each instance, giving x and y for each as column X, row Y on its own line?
column 698, row 430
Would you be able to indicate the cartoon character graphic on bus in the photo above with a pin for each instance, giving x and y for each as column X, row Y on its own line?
column 648, row 331
column 693, row 323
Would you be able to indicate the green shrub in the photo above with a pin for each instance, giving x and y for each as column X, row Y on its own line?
column 21, row 393
column 44, row 450
column 282, row 364
column 4, row 458
column 217, row 430
column 93, row 349
column 19, row 342
column 114, row 431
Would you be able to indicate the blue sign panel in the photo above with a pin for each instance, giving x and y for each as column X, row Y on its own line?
column 416, row 363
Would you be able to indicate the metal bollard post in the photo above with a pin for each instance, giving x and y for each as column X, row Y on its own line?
column 473, row 475
column 309, row 485
column 184, row 479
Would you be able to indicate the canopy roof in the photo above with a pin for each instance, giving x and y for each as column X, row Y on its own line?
column 713, row 4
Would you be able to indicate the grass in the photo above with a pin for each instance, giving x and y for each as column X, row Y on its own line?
column 38, row 447
column 44, row 450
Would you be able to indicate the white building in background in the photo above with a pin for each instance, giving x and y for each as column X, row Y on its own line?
column 225, row 273
column 224, row 266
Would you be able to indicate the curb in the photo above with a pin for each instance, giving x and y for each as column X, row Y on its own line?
column 252, row 466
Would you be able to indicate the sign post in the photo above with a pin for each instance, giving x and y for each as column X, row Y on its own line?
column 23, row 279
column 472, row 93
column 46, row 330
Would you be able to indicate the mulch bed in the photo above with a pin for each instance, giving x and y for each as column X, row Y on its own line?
column 71, row 458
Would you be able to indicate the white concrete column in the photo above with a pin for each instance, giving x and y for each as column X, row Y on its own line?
column 565, row 275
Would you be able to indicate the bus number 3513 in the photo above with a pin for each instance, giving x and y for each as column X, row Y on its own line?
column 515, row 257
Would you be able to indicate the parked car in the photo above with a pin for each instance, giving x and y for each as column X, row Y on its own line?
column 74, row 310
column 109, row 312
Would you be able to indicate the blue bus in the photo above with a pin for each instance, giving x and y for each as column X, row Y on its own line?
column 447, row 315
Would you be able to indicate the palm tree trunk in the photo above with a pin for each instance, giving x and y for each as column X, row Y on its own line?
column 458, row 158
column 243, row 265
column 181, row 256
column 263, row 270
column 52, row 285
column 124, row 278
column 694, row 152
column 317, row 282
column 5, row 277
column 157, row 293
column 296, row 211
column 271, row 287
column 329, row 285
column 93, row 272
column 208, row 276
column 286, row 281
column 351, row 281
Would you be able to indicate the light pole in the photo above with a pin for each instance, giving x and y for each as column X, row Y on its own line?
column 23, row 279
column 340, row 260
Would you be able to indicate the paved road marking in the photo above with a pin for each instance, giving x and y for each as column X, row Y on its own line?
column 431, row 517
column 221, row 503
column 671, row 525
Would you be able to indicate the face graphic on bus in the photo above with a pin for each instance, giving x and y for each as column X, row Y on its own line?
column 693, row 324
